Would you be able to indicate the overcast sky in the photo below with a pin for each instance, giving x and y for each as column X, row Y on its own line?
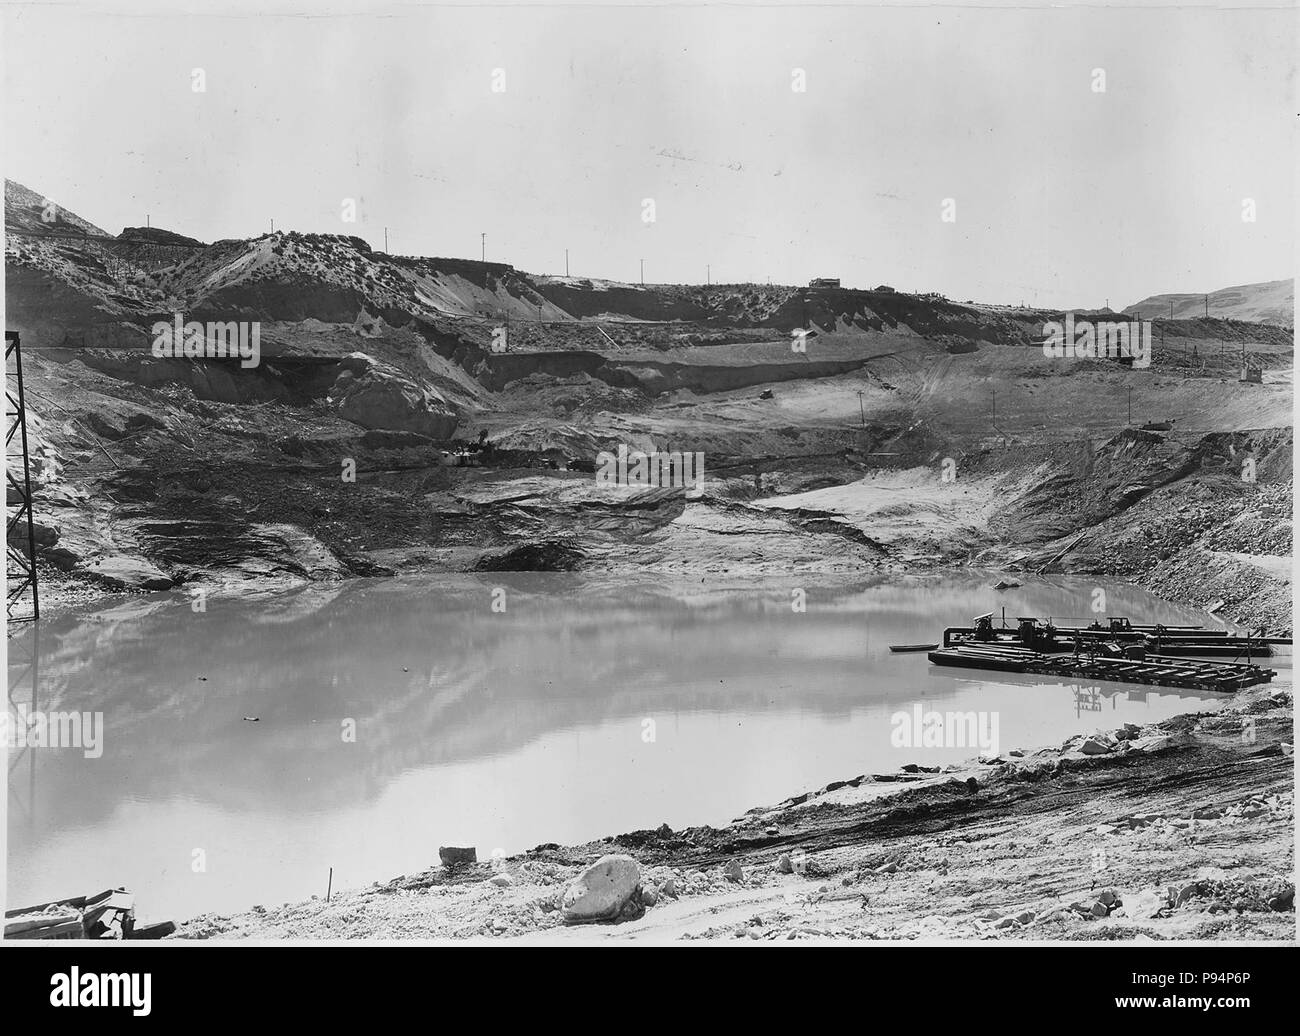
column 1064, row 196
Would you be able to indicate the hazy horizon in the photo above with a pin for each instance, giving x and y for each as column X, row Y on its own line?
column 1065, row 197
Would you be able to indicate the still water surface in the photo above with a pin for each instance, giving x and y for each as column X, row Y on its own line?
column 588, row 707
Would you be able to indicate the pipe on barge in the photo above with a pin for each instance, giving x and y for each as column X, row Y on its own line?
column 1046, row 638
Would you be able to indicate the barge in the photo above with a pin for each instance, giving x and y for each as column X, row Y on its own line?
column 1110, row 663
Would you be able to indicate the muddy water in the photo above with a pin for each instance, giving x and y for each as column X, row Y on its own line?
column 392, row 717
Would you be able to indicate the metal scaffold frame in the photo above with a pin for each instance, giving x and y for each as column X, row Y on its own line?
column 20, row 567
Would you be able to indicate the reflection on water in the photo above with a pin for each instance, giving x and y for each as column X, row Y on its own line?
column 588, row 707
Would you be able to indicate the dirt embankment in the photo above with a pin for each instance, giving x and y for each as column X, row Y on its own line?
column 353, row 446
column 137, row 458
column 1182, row 830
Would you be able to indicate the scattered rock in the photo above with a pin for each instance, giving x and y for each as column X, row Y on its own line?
column 454, row 856
column 733, row 871
column 1015, row 920
column 1144, row 905
column 1180, row 894
column 784, row 865
column 602, row 891
column 502, row 880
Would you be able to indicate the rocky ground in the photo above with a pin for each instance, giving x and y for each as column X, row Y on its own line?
column 1181, row 830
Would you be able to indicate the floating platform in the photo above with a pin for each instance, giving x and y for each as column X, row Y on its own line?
column 1158, row 670
column 912, row 647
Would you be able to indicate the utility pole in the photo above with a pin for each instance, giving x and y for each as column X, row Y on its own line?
column 708, row 275
column 566, row 262
column 146, row 219
column 385, row 240
column 861, row 410
column 1207, row 306
column 643, row 273
column 272, row 224
column 994, row 419
column 1171, row 309
column 1130, row 405
column 483, row 247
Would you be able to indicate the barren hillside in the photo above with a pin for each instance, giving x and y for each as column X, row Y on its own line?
column 852, row 429
column 1271, row 302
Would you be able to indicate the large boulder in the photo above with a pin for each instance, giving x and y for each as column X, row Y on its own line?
column 378, row 395
column 457, row 856
column 44, row 535
column 602, row 891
